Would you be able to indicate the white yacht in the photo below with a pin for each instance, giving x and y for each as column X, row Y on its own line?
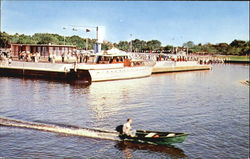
column 115, row 64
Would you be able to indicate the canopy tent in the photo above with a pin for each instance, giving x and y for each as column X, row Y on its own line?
column 181, row 53
column 115, row 51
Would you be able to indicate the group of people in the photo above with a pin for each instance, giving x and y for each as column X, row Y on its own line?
column 26, row 56
column 177, row 57
column 53, row 57
column 76, row 57
column 5, row 58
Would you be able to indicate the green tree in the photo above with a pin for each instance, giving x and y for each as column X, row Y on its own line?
column 123, row 45
column 154, row 45
column 77, row 40
column 239, row 47
column 236, row 47
column 189, row 44
column 4, row 40
column 238, row 43
column 45, row 38
column 107, row 45
column 167, row 48
column 23, row 39
column 139, row 45
column 246, row 49
column 234, row 51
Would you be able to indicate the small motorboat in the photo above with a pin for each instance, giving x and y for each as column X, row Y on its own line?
column 154, row 137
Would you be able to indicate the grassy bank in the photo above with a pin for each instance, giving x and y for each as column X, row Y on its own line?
column 236, row 58
column 239, row 58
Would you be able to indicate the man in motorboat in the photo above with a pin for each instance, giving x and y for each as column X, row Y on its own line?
column 147, row 136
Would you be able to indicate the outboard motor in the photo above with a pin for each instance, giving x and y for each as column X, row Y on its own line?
column 119, row 129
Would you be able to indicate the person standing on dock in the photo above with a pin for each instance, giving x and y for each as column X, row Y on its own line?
column 63, row 55
column 10, row 60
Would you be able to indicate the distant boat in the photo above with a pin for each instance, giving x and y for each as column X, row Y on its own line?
column 115, row 64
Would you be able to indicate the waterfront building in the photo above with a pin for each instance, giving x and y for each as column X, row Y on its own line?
column 44, row 49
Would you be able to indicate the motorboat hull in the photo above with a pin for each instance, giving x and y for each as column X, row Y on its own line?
column 157, row 138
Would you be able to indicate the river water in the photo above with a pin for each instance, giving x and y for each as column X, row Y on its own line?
column 212, row 106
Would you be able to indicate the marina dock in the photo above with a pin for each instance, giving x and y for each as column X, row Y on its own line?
column 180, row 69
column 172, row 66
column 86, row 67
column 74, row 73
column 52, row 71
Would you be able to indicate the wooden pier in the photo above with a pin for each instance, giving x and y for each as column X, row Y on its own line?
column 51, row 71
column 172, row 66
column 180, row 69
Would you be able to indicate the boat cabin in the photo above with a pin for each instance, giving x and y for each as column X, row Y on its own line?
column 107, row 59
column 114, row 59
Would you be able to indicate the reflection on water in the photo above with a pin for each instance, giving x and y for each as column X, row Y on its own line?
column 107, row 98
column 128, row 148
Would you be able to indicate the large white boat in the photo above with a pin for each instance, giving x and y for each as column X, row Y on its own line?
column 115, row 65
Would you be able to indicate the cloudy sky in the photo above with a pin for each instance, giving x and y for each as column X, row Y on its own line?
column 172, row 23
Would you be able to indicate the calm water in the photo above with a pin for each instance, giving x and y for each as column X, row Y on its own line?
column 213, row 106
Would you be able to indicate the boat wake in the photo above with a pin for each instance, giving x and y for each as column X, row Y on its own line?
column 68, row 130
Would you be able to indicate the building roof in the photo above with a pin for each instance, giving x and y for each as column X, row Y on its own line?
column 45, row 45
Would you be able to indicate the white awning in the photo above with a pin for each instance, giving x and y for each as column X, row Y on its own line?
column 115, row 52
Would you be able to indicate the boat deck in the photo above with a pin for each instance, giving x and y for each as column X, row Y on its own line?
column 180, row 68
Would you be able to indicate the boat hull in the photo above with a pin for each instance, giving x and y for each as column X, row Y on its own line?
column 120, row 73
column 160, row 140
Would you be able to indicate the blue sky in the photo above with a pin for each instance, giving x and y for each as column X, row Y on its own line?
column 171, row 22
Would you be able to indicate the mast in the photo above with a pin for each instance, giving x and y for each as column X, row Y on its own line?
column 100, row 33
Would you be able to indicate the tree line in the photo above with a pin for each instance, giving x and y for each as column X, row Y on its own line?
column 236, row 47
column 45, row 38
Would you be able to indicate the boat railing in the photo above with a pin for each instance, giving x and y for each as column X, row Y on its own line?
column 99, row 66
